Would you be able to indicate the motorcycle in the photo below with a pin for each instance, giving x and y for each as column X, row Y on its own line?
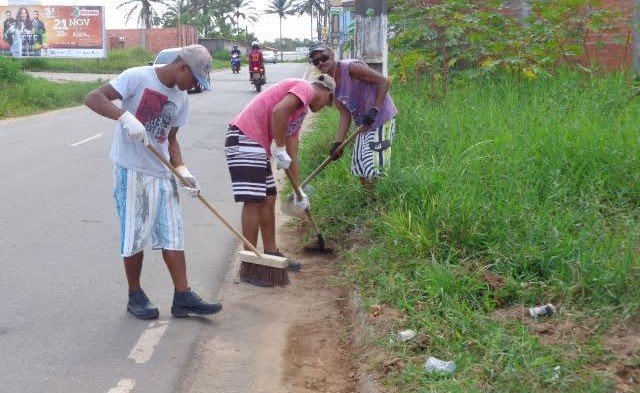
column 257, row 78
column 235, row 63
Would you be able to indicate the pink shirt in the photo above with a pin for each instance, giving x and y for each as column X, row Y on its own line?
column 255, row 119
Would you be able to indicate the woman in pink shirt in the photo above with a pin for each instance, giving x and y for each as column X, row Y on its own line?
column 275, row 114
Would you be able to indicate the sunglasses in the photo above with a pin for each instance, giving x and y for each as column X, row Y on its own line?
column 320, row 59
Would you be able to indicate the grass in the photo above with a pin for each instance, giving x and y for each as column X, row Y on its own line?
column 535, row 182
column 22, row 95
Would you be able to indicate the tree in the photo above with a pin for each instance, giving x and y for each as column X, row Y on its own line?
column 178, row 12
column 282, row 8
column 243, row 9
column 146, row 12
column 313, row 8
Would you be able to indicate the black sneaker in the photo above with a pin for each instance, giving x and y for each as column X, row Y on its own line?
column 291, row 264
column 188, row 302
column 140, row 306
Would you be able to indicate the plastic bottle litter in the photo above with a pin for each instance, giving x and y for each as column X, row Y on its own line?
column 406, row 335
column 434, row 364
column 541, row 311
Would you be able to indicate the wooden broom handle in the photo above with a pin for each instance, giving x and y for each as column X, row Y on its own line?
column 296, row 189
column 204, row 201
column 328, row 160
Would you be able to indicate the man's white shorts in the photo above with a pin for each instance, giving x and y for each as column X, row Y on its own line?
column 149, row 208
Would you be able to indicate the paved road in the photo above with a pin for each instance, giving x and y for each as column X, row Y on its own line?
column 63, row 325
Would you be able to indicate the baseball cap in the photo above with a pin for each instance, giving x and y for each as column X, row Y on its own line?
column 325, row 81
column 198, row 59
column 319, row 46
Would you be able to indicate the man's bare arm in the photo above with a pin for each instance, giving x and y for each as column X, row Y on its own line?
column 100, row 101
column 366, row 74
column 175, row 154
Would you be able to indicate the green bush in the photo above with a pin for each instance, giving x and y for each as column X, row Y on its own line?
column 222, row 55
column 9, row 70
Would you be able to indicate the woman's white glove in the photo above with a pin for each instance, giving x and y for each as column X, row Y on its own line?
column 282, row 157
column 194, row 188
column 135, row 129
column 301, row 203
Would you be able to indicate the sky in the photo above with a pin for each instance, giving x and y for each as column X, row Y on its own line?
column 266, row 29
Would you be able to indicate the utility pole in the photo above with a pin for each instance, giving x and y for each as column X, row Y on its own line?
column 636, row 34
column 370, row 39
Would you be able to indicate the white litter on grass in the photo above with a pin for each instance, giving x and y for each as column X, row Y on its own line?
column 556, row 373
column 541, row 311
column 406, row 335
column 436, row 365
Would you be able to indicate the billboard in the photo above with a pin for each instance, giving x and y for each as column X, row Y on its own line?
column 53, row 31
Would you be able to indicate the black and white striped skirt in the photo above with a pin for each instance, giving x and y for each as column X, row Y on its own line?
column 250, row 169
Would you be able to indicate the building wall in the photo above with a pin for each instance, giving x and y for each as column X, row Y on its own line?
column 154, row 40
column 216, row 44
column 612, row 49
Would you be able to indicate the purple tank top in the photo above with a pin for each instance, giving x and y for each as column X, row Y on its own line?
column 360, row 96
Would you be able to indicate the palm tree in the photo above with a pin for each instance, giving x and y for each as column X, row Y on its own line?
column 177, row 13
column 243, row 9
column 146, row 13
column 282, row 8
column 311, row 7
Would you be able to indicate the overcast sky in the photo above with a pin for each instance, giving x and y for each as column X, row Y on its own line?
column 266, row 29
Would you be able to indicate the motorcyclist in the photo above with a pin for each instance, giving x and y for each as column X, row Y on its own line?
column 235, row 51
column 256, row 59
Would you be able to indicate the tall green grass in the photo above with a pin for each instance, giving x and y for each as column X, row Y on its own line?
column 21, row 94
column 535, row 181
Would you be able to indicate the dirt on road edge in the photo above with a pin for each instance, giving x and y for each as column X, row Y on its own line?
column 294, row 339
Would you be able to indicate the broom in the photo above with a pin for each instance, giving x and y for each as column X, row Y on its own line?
column 329, row 159
column 287, row 206
column 256, row 268
column 320, row 247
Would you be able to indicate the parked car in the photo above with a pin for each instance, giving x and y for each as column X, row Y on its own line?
column 166, row 56
column 269, row 57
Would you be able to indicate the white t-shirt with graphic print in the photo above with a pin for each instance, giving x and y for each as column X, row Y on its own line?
column 158, row 107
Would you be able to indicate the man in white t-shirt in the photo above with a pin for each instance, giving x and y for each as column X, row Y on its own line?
column 154, row 106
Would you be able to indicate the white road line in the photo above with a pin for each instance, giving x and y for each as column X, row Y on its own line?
column 86, row 140
column 142, row 351
column 123, row 386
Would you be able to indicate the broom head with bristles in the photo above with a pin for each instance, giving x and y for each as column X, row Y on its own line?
column 264, row 270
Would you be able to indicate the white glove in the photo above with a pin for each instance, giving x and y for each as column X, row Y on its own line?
column 302, row 203
column 135, row 129
column 282, row 158
column 194, row 188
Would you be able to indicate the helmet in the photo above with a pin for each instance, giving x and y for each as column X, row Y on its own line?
column 255, row 45
column 235, row 46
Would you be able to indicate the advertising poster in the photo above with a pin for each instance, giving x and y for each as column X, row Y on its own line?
column 53, row 31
